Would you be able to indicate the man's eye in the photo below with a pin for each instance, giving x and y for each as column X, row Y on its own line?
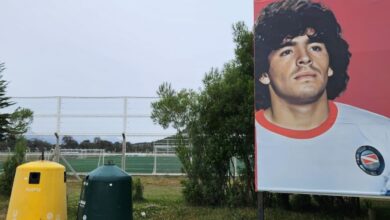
column 316, row 48
column 285, row 53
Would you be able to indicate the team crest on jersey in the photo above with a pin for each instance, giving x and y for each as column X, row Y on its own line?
column 370, row 160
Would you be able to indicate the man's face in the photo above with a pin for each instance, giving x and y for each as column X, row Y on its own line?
column 298, row 71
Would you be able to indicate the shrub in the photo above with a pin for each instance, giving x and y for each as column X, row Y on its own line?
column 236, row 195
column 192, row 192
column 347, row 205
column 269, row 199
column 325, row 203
column 282, row 200
column 138, row 190
column 301, row 202
column 10, row 165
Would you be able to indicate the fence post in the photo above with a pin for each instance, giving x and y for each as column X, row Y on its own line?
column 167, row 145
column 103, row 155
column 155, row 159
column 124, row 152
column 56, row 157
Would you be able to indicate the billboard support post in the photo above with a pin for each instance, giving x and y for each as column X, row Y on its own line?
column 260, row 205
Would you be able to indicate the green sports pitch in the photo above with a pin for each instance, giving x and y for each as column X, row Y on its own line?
column 168, row 164
column 134, row 164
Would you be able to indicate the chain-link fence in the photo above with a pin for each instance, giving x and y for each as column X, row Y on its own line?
column 119, row 127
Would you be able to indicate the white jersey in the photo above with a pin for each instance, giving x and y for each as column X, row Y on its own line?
column 348, row 154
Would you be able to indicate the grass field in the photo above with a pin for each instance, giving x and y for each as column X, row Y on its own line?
column 134, row 164
column 164, row 200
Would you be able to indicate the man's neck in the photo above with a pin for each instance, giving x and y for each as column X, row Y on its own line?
column 298, row 116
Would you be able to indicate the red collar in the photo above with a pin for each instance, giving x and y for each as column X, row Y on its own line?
column 300, row 134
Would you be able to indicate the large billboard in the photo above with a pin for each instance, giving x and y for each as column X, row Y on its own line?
column 322, row 96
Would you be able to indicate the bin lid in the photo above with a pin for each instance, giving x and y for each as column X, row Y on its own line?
column 108, row 172
column 41, row 165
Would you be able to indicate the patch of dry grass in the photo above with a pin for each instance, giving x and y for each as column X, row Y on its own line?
column 3, row 206
column 164, row 200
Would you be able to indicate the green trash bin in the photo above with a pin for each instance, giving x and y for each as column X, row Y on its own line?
column 106, row 194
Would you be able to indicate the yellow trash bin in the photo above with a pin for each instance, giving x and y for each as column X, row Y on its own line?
column 39, row 192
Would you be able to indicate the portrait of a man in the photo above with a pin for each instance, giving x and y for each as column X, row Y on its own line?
column 305, row 141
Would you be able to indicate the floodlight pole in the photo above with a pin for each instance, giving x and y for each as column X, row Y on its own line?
column 124, row 134
column 56, row 157
column 260, row 205
column 124, row 152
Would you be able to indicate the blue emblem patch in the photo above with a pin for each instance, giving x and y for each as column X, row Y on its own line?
column 370, row 160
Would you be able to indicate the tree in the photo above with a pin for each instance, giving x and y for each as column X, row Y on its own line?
column 19, row 120
column 118, row 146
column 106, row 145
column 96, row 140
column 38, row 145
column 86, row 144
column 219, row 123
column 4, row 103
column 15, row 123
column 12, row 126
column 69, row 142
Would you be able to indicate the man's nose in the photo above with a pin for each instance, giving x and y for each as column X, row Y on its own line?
column 304, row 58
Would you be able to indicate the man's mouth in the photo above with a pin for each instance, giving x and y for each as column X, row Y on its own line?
column 305, row 75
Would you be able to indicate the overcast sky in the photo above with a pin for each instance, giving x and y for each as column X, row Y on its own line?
column 116, row 47
column 111, row 48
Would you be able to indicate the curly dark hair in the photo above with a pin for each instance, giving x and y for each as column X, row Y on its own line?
column 292, row 18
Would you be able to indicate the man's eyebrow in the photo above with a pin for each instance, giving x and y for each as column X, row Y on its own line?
column 287, row 44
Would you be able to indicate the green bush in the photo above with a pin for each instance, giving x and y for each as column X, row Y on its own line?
column 347, row 205
column 192, row 192
column 138, row 190
column 269, row 199
column 282, row 201
column 301, row 202
column 10, row 165
column 236, row 195
column 325, row 203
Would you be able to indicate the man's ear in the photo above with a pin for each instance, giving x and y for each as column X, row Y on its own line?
column 264, row 78
column 330, row 72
